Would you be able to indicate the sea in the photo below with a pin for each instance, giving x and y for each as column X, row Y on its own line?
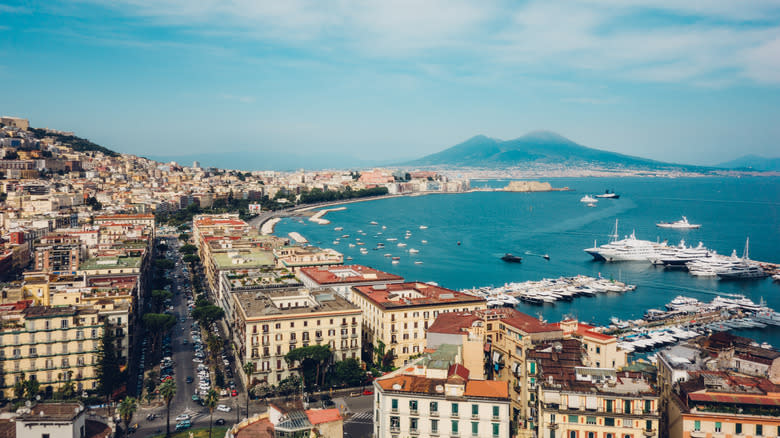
column 468, row 233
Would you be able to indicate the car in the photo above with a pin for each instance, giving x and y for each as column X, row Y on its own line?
column 223, row 408
column 232, row 385
column 183, row 425
column 182, row 417
column 223, row 393
column 234, row 393
column 195, row 397
column 197, row 359
column 227, row 364
column 219, row 422
column 354, row 394
column 151, row 417
column 368, row 392
column 189, row 379
column 185, row 342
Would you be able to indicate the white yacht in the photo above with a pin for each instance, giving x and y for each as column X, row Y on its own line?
column 709, row 267
column 413, row 251
column 588, row 199
column 627, row 249
column 682, row 224
column 423, row 227
column 745, row 269
column 678, row 257
column 401, row 245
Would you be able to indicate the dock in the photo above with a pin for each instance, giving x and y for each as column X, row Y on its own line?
column 296, row 236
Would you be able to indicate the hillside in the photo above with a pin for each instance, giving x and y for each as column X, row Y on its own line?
column 78, row 144
column 539, row 147
column 752, row 162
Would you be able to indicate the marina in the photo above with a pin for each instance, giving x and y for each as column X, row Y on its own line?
column 548, row 291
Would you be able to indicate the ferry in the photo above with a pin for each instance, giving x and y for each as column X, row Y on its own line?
column 682, row 224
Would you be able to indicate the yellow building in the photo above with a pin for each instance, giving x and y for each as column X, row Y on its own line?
column 50, row 345
column 601, row 350
column 398, row 315
column 269, row 324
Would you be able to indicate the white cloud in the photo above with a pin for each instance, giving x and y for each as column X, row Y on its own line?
column 694, row 41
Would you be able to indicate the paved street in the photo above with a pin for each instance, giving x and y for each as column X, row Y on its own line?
column 182, row 355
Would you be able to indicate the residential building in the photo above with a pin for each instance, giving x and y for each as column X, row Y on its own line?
column 434, row 397
column 58, row 420
column 601, row 350
column 297, row 257
column 343, row 278
column 398, row 314
column 270, row 324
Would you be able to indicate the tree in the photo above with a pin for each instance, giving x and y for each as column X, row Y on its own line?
column 188, row 249
column 315, row 355
column 184, row 237
column 149, row 396
column 208, row 314
column 168, row 392
column 127, row 408
column 159, row 296
column 249, row 369
column 379, row 350
column 215, row 345
column 67, row 390
column 350, row 372
column 11, row 155
column 31, row 388
column 219, row 378
column 19, row 387
column 211, row 403
column 156, row 324
column 191, row 258
column 107, row 371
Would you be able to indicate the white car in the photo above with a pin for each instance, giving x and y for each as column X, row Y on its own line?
column 197, row 359
column 182, row 417
column 223, row 408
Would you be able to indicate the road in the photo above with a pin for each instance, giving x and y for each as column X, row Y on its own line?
column 182, row 355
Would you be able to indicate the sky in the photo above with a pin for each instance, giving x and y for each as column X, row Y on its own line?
column 695, row 81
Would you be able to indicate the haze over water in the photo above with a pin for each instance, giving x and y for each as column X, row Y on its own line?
column 532, row 224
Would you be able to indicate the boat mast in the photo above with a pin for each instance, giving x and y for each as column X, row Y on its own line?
column 614, row 234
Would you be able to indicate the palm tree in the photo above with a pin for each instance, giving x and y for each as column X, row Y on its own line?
column 127, row 408
column 211, row 403
column 168, row 392
column 249, row 368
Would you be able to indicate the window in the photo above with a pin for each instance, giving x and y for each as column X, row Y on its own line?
column 608, row 435
column 648, row 405
column 533, row 367
column 590, row 420
column 626, row 406
column 454, row 426
column 475, row 410
column 574, row 419
column 394, row 404
column 454, row 409
column 738, row 428
column 697, row 426
column 598, row 350
column 609, row 421
column 759, row 429
column 434, row 426
column 718, row 426
column 609, row 406
column 413, row 406
column 45, row 435
column 395, row 423
column 412, row 425
column 648, row 425
column 591, row 435
column 434, row 407
column 495, row 429
column 496, row 412
column 474, row 428
column 572, row 434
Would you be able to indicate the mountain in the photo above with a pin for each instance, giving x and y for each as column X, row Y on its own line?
column 752, row 162
column 538, row 147
column 78, row 144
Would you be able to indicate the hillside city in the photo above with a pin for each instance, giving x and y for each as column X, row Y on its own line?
column 151, row 298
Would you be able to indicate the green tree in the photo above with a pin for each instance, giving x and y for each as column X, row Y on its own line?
column 157, row 324
column 350, row 372
column 208, row 314
column 184, row 237
column 107, row 370
column 159, row 296
column 312, row 355
column 168, row 392
column 188, row 249
column 379, row 350
column 127, row 408
column 211, row 403
column 249, row 369
column 191, row 258
column 164, row 264
column 149, row 396
column 67, row 390
column 32, row 388
column 215, row 345
column 19, row 387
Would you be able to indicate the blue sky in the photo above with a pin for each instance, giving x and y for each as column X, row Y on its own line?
column 695, row 81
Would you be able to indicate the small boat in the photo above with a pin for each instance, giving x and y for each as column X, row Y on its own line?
column 682, row 224
column 591, row 204
column 351, row 245
column 391, row 239
column 546, row 256
column 413, row 251
column 423, row 241
column 374, row 223
column 588, row 199
column 396, row 258
column 349, row 258
column 608, row 195
column 418, row 262
column 509, row 258
column 338, row 228
column 458, row 242
column 423, row 227
column 401, row 245
column 395, row 262
column 388, row 255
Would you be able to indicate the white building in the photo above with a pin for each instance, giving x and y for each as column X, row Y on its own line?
column 433, row 397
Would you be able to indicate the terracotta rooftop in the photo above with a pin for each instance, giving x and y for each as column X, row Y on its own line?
column 453, row 323
column 402, row 295
column 258, row 429
column 320, row 416
column 54, row 411
column 347, row 274
column 487, row 388
column 586, row 330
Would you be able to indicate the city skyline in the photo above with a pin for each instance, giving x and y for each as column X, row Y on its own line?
column 692, row 83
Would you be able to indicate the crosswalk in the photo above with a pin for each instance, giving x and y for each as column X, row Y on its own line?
column 366, row 417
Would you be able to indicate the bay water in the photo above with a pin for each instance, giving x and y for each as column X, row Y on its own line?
column 467, row 234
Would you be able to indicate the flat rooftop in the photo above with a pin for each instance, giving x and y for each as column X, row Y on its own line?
column 292, row 302
column 400, row 295
column 244, row 258
column 110, row 263
column 260, row 278
column 347, row 274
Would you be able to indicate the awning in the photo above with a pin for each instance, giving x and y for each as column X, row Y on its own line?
column 515, row 367
column 552, row 397
column 574, row 401
column 591, row 403
column 496, row 356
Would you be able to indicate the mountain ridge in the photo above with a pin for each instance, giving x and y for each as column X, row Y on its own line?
column 752, row 162
column 535, row 147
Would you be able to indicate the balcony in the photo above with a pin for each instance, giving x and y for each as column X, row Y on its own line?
column 698, row 434
column 414, row 432
column 553, row 426
column 650, row 432
column 354, row 335
column 475, row 416
column 414, row 412
column 396, row 429
column 434, row 413
column 318, row 338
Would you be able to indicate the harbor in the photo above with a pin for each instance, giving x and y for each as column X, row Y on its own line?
column 548, row 290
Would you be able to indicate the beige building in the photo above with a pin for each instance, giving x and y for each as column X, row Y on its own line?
column 297, row 257
column 398, row 315
column 601, row 351
column 49, row 344
column 270, row 324
column 598, row 403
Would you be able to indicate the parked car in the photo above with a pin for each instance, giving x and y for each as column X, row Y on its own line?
column 219, row 422
column 183, row 425
column 368, row 392
column 223, row 408
column 189, row 379
column 234, row 393
column 182, row 417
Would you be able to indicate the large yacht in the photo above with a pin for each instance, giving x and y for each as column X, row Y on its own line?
column 678, row 257
column 709, row 267
column 627, row 249
column 681, row 224
column 744, row 269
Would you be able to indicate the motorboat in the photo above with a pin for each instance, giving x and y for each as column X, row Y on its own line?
column 608, row 195
column 413, row 251
column 682, row 224
column 588, row 199
column 509, row 258
column 423, row 227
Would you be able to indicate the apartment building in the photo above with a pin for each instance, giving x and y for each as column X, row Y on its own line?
column 297, row 257
column 57, row 253
column 601, row 350
column 247, row 281
column 723, row 404
column 343, row 278
column 50, row 345
column 398, row 314
column 433, row 397
column 597, row 403
column 270, row 324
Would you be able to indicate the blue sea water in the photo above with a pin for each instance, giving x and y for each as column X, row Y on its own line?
column 489, row 224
